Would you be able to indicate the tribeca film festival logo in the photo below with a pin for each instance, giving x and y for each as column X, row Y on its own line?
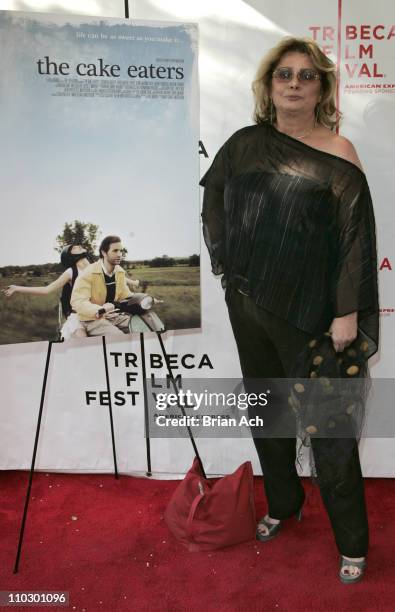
column 131, row 362
column 358, row 45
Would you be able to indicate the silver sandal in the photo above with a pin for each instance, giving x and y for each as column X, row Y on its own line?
column 348, row 578
column 272, row 529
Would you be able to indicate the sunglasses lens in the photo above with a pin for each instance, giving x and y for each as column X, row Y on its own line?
column 284, row 74
column 307, row 75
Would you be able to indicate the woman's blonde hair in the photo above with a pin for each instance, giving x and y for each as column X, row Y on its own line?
column 326, row 111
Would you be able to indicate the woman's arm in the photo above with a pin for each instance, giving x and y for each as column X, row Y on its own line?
column 56, row 284
column 213, row 216
column 354, row 291
column 344, row 148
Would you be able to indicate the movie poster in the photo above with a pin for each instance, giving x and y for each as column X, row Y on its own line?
column 99, row 148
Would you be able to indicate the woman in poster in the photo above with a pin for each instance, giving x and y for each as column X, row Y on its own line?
column 288, row 220
column 74, row 259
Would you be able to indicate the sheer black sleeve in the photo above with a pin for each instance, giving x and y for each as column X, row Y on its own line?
column 354, row 283
column 213, row 208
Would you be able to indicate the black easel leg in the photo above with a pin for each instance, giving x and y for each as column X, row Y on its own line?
column 127, row 9
column 29, row 487
column 180, row 406
column 144, row 373
column 110, row 408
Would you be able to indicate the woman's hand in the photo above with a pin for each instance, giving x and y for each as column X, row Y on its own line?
column 344, row 330
column 8, row 291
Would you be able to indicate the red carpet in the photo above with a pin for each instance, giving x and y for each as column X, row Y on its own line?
column 104, row 541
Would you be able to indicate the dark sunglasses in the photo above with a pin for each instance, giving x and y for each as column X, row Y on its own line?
column 304, row 75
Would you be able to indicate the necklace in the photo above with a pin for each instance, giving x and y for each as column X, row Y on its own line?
column 303, row 135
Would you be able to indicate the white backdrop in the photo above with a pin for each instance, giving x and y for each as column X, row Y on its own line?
column 233, row 36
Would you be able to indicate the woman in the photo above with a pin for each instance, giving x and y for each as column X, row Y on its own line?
column 288, row 219
column 74, row 259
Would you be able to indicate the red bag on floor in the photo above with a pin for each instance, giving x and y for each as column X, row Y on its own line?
column 206, row 515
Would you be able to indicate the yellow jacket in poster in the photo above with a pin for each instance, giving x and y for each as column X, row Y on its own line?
column 89, row 292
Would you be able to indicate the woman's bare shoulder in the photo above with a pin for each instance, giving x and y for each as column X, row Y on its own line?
column 338, row 145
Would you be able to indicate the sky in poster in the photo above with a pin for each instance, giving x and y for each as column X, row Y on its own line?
column 129, row 165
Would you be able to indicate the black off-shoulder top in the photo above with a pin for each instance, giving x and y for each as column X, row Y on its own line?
column 294, row 228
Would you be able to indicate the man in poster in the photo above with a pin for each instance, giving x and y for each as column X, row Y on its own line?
column 98, row 287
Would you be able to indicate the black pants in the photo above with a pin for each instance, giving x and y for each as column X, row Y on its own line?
column 267, row 346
